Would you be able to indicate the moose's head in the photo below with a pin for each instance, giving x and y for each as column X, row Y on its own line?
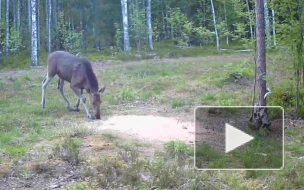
column 96, row 101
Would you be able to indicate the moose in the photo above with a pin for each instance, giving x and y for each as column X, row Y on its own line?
column 79, row 73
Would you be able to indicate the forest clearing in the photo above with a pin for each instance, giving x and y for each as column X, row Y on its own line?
column 53, row 148
column 157, row 61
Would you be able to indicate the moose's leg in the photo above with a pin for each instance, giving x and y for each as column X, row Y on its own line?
column 78, row 101
column 82, row 100
column 45, row 82
column 60, row 87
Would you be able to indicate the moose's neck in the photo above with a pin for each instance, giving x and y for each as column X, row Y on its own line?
column 93, row 84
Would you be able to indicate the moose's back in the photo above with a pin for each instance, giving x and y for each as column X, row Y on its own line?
column 64, row 64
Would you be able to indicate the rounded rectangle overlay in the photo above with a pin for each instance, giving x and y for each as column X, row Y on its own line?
column 228, row 138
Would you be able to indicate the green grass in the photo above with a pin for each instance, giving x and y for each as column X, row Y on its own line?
column 128, row 94
column 262, row 152
column 208, row 98
column 178, row 103
column 171, row 84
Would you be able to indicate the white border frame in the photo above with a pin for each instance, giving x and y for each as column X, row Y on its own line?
column 240, row 169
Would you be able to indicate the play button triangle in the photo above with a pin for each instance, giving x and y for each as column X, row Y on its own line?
column 235, row 138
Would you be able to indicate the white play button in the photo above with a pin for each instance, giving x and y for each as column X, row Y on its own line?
column 235, row 138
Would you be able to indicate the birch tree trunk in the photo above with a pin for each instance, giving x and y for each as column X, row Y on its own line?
column 267, row 25
column 124, row 8
column 38, row 22
column 29, row 14
column 7, row 28
column 149, row 22
column 215, row 26
column 261, row 115
column 250, row 19
column 274, row 29
column 49, row 13
column 46, row 24
column 34, row 33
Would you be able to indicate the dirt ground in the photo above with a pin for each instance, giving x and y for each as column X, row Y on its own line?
column 148, row 127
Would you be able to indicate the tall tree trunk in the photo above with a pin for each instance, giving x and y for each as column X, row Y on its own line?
column 267, row 24
column 55, row 14
column 163, row 20
column 96, row 28
column 34, row 33
column 225, row 11
column 49, row 23
column 215, row 26
column 18, row 17
column 46, row 23
column 1, row 47
column 13, row 8
column 82, row 36
column 69, row 25
column 38, row 23
column 124, row 8
column 274, row 29
column 7, row 28
column 250, row 19
column 299, row 47
column 73, row 24
column 166, row 20
column 149, row 22
column 29, row 14
column 261, row 115
column 134, row 15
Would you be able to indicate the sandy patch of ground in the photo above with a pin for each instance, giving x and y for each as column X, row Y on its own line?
column 147, row 127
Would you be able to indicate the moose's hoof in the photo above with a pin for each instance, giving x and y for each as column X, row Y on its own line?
column 73, row 109
column 91, row 117
column 42, row 104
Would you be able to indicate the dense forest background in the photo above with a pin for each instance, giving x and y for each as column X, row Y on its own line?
column 75, row 24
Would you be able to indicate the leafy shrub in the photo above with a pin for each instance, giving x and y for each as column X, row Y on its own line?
column 68, row 150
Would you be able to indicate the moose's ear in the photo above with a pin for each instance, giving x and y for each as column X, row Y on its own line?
column 102, row 90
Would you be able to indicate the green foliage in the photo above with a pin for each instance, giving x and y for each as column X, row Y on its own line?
column 71, row 40
column 2, row 32
column 15, row 41
column 138, row 26
column 291, row 33
column 118, row 38
column 203, row 35
column 283, row 95
column 177, row 149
